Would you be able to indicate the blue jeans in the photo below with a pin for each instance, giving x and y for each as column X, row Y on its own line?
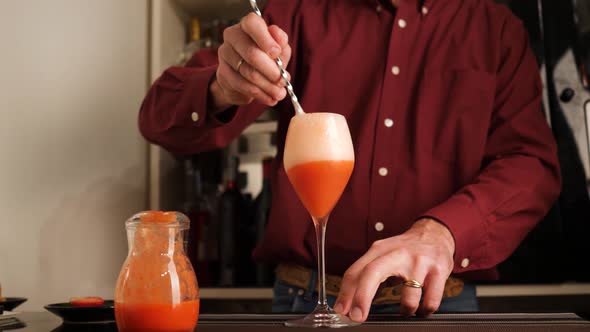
column 289, row 299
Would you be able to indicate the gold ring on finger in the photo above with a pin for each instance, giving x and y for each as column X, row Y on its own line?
column 240, row 63
column 413, row 283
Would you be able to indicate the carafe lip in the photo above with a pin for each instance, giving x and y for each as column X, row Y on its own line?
column 140, row 219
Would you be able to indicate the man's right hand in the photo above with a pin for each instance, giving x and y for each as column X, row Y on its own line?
column 258, row 77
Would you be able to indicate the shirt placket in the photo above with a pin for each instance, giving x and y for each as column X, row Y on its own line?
column 389, row 130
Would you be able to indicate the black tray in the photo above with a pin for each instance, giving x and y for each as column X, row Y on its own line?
column 10, row 303
column 72, row 314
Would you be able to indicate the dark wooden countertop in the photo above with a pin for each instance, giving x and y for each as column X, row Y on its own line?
column 43, row 322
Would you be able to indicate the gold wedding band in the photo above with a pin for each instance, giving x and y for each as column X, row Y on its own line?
column 239, row 65
column 413, row 283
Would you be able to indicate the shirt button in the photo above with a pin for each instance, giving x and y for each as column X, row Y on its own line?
column 300, row 292
column 388, row 123
column 379, row 226
column 383, row 171
column 195, row 116
column 402, row 23
column 395, row 70
column 465, row 262
column 291, row 291
column 424, row 10
column 379, row 8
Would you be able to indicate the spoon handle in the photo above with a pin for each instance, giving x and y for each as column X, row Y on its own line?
column 289, row 86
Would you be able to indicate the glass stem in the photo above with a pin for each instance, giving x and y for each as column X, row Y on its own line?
column 320, row 234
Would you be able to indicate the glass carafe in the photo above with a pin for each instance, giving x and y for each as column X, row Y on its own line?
column 157, row 289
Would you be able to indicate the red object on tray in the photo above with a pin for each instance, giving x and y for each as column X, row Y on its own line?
column 89, row 301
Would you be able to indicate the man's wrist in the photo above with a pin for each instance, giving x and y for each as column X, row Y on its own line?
column 433, row 226
column 217, row 103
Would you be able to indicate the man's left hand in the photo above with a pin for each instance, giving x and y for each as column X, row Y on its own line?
column 423, row 253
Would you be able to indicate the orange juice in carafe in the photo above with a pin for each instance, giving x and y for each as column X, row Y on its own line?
column 157, row 289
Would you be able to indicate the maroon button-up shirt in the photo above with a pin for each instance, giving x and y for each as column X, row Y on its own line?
column 443, row 100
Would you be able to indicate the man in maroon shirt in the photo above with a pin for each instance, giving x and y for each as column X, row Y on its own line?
column 455, row 163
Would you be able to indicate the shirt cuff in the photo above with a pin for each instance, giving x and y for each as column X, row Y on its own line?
column 198, row 81
column 468, row 227
column 223, row 117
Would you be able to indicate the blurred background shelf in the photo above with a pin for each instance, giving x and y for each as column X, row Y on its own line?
column 236, row 293
column 237, row 168
column 170, row 20
column 266, row 127
column 212, row 9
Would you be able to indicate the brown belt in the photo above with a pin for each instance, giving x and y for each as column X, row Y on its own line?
column 299, row 276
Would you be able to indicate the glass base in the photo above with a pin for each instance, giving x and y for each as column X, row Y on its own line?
column 322, row 316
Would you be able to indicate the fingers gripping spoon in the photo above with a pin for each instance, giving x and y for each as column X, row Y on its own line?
column 289, row 86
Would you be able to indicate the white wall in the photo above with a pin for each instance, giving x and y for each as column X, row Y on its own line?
column 72, row 163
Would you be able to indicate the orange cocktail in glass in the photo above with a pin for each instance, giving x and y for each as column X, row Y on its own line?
column 319, row 159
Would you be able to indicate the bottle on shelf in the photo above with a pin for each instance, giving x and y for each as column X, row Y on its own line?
column 203, row 35
column 198, row 211
column 246, row 241
column 264, row 273
column 228, row 220
column 194, row 43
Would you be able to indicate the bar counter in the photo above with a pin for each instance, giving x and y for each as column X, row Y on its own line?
column 43, row 322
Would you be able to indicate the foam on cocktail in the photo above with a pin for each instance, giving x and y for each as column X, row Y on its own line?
column 317, row 136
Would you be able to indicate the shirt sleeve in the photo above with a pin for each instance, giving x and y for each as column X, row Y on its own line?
column 520, row 176
column 174, row 112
